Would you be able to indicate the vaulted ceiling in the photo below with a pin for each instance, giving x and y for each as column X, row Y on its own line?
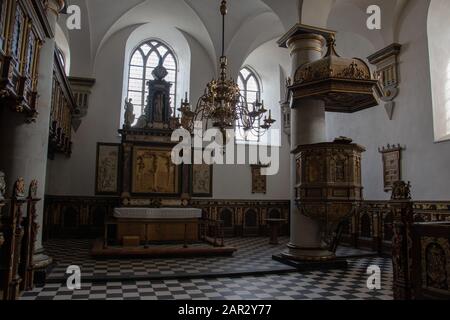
column 250, row 23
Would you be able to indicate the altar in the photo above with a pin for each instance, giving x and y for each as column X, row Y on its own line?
column 157, row 225
column 155, row 217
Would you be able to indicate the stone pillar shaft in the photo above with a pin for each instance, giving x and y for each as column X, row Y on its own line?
column 307, row 127
column 25, row 146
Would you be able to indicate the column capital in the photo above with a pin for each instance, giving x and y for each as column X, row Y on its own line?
column 304, row 30
column 306, row 42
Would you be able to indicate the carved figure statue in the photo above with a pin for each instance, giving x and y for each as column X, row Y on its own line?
column 401, row 191
column 129, row 113
column 33, row 189
column 2, row 185
column 19, row 189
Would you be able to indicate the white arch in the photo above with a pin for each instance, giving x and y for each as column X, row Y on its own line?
column 63, row 44
column 271, row 63
column 161, row 13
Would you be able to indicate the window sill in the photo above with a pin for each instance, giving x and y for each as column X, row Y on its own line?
column 443, row 139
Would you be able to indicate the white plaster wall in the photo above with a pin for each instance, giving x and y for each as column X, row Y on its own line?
column 234, row 182
column 76, row 176
column 425, row 163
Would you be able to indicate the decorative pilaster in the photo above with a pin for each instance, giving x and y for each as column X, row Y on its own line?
column 386, row 62
column 14, row 234
column 31, row 228
column 403, row 211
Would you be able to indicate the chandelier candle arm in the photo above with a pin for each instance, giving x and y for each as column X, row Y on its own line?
column 222, row 104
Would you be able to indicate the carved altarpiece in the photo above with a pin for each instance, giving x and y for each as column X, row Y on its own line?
column 147, row 171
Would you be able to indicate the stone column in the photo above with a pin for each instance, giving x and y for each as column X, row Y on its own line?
column 307, row 127
column 24, row 146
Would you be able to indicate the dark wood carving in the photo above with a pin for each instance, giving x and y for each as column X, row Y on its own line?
column 31, row 227
column 23, row 27
column 329, row 187
column 147, row 171
column 83, row 212
column 13, row 231
column 403, row 212
column 63, row 109
column 431, row 260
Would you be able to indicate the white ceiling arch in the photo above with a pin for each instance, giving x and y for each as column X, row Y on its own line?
column 198, row 18
column 171, row 13
column 315, row 13
column 351, row 16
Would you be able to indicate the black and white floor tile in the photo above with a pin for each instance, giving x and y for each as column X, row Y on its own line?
column 254, row 255
column 350, row 284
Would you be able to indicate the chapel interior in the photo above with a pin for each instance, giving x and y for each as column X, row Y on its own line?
column 313, row 139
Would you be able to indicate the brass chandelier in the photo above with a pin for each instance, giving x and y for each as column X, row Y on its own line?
column 223, row 105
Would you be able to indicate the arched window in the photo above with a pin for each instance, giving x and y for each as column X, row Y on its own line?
column 439, row 53
column 251, row 90
column 144, row 60
column 61, row 56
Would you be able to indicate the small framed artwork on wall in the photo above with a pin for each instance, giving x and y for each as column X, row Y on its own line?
column 392, row 156
column 202, row 180
column 107, row 169
column 259, row 181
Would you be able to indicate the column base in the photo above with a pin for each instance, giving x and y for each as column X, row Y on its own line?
column 308, row 254
column 42, row 265
column 312, row 265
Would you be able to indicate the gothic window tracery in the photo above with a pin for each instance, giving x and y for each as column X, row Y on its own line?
column 144, row 59
column 251, row 90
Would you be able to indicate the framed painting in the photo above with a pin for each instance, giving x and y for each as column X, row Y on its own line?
column 107, row 169
column 153, row 173
column 202, row 180
column 392, row 156
column 259, row 181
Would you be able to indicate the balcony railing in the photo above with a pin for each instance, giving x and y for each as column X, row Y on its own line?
column 63, row 109
column 23, row 28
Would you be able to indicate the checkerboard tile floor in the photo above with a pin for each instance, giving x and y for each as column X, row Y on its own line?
column 347, row 284
column 254, row 255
